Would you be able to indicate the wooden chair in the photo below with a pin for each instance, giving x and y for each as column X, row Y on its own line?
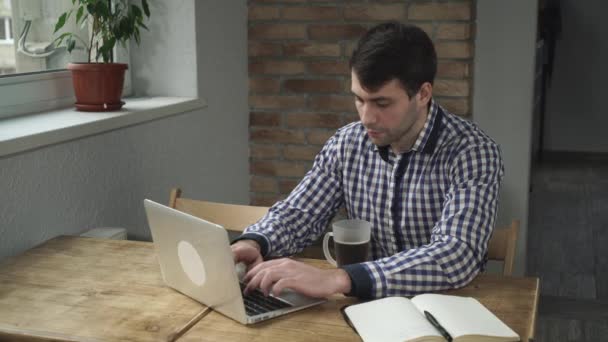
column 502, row 246
column 233, row 217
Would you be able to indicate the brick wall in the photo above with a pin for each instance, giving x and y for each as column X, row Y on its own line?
column 299, row 81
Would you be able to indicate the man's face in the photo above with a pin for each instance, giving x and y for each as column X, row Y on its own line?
column 390, row 116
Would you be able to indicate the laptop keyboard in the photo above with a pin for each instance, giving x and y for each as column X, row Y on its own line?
column 256, row 303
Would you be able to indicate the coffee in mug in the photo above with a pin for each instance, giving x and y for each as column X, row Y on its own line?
column 351, row 242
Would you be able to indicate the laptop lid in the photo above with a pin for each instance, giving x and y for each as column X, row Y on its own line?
column 195, row 259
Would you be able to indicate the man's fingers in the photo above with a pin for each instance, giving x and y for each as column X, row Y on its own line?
column 254, row 282
column 282, row 284
column 259, row 267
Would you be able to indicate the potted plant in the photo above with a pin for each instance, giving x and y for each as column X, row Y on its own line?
column 98, row 83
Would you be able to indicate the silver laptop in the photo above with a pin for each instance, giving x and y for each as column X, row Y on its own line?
column 195, row 259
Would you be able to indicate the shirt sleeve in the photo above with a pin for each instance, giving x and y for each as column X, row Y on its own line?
column 457, row 249
column 296, row 222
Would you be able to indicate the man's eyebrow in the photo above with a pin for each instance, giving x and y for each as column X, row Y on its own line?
column 373, row 99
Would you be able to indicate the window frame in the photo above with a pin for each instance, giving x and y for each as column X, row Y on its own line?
column 46, row 90
column 8, row 30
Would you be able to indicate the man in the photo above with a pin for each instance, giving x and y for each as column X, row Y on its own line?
column 427, row 180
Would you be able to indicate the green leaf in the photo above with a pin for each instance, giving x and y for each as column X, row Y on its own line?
column 60, row 22
column 136, row 11
column 71, row 44
column 79, row 14
column 144, row 4
column 60, row 39
column 84, row 21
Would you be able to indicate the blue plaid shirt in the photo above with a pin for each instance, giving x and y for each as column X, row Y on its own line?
column 432, row 208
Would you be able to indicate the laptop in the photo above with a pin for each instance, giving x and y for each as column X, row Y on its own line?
column 195, row 259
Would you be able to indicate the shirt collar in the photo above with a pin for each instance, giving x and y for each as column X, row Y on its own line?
column 427, row 139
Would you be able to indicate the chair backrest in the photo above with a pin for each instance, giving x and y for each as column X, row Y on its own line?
column 230, row 216
column 502, row 246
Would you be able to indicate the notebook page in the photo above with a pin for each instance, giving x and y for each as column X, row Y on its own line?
column 389, row 319
column 463, row 316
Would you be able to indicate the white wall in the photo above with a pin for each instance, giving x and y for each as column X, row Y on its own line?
column 101, row 180
column 576, row 116
column 502, row 100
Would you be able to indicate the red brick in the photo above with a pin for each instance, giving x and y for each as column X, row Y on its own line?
column 286, row 186
column 349, row 47
column 348, row 118
column 263, row 12
column 276, row 101
column 452, row 70
column 319, row 137
column 301, row 152
column 264, row 151
column 277, row 31
column 336, row 32
column 456, row 106
column 316, row 13
column 312, row 49
column 257, row 49
column 277, row 136
column 277, row 168
column 346, row 85
column 454, row 31
column 313, row 120
column 440, row 11
column 264, row 85
column 375, row 12
column 263, row 184
column 453, row 50
column 426, row 27
column 328, row 67
column 264, row 119
column 277, row 67
column 312, row 86
column 332, row 103
column 451, row 88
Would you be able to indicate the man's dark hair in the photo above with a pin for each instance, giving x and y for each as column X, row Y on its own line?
column 394, row 50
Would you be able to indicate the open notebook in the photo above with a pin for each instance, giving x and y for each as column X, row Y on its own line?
column 401, row 319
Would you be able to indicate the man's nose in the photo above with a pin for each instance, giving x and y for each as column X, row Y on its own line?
column 367, row 114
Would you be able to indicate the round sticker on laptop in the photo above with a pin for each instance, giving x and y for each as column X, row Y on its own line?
column 191, row 263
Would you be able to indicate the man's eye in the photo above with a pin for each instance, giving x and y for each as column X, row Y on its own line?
column 382, row 104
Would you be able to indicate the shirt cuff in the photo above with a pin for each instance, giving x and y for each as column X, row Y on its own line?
column 361, row 281
column 260, row 239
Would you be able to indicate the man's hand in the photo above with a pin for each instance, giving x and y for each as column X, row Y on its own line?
column 284, row 273
column 247, row 252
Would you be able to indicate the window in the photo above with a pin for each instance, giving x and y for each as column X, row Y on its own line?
column 6, row 34
column 32, row 69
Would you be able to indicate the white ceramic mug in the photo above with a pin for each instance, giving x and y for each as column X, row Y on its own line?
column 351, row 242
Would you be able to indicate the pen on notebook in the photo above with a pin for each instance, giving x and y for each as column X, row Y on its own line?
column 438, row 326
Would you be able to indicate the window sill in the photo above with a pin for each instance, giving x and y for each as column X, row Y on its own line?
column 32, row 131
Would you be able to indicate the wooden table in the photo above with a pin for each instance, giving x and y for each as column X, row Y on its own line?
column 81, row 289
column 513, row 300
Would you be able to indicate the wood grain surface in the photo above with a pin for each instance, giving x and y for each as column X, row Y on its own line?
column 84, row 289
column 513, row 300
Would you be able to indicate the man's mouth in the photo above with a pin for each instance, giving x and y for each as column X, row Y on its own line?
column 373, row 134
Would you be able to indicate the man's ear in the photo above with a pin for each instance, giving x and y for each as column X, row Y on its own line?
column 425, row 94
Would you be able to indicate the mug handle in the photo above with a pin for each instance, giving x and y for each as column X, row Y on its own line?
column 328, row 256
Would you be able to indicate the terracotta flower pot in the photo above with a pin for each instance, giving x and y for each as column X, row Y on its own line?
column 98, row 86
